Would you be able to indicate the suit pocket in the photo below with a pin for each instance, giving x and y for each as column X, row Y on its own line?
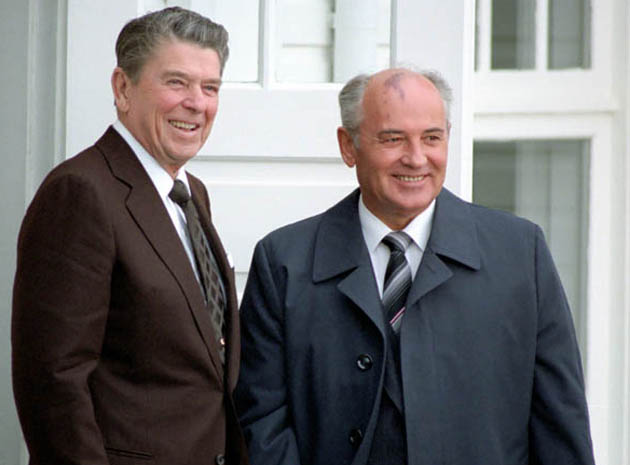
column 127, row 454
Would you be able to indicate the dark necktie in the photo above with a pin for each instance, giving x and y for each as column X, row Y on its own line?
column 389, row 444
column 206, row 264
column 397, row 278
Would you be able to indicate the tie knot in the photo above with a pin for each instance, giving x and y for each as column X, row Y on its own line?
column 397, row 240
column 179, row 193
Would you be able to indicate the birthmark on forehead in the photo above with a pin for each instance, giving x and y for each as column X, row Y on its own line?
column 393, row 83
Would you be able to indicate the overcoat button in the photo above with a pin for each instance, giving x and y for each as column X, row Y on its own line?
column 355, row 437
column 364, row 362
column 219, row 459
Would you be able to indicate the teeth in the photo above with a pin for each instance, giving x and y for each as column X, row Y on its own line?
column 410, row 178
column 182, row 125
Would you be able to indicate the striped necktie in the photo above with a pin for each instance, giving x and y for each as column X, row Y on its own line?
column 397, row 278
column 206, row 264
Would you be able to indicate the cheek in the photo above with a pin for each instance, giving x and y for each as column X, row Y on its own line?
column 211, row 112
column 439, row 159
column 167, row 104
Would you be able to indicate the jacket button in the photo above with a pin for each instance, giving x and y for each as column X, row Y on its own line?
column 364, row 362
column 219, row 459
column 355, row 437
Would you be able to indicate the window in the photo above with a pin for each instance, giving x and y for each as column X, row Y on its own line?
column 533, row 34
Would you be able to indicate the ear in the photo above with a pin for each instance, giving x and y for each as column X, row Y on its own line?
column 346, row 147
column 121, row 86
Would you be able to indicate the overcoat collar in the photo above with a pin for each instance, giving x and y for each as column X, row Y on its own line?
column 147, row 209
column 340, row 249
column 453, row 237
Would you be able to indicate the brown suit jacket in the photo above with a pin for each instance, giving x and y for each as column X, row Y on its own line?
column 114, row 356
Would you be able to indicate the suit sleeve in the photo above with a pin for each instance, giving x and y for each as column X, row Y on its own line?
column 60, row 306
column 261, row 394
column 559, row 425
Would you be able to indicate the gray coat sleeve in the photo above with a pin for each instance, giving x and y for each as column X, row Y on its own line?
column 261, row 394
column 559, row 425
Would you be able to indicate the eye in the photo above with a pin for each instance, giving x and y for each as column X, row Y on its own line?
column 391, row 140
column 433, row 138
column 175, row 82
column 211, row 89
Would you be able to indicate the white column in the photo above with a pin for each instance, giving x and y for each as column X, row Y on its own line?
column 624, row 374
column 440, row 36
column 13, row 133
column 31, row 135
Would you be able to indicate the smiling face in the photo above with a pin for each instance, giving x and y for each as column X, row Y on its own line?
column 171, row 107
column 402, row 146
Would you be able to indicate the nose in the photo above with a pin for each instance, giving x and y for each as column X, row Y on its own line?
column 415, row 155
column 194, row 100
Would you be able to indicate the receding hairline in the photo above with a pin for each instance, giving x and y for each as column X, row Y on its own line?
column 390, row 81
column 391, row 78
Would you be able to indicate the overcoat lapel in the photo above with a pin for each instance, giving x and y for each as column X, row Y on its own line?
column 452, row 243
column 147, row 209
column 340, row 248
column 453, row 236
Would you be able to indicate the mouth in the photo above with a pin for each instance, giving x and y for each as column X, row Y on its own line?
column 403, row 178
column 183, row 125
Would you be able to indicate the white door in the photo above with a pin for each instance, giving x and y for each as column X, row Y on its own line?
column 272, row 157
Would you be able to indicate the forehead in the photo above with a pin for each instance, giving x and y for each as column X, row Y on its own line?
column 401, row 95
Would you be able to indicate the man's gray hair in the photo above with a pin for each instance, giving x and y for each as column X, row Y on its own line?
column 351, row 99
column 139, row 38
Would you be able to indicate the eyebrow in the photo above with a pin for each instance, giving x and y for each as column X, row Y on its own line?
column 442, row 130
column 388, row 132
column 168, row 74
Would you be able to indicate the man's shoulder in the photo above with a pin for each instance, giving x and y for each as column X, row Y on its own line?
column 85, row 167
column 498, row 217
column 305, row 230
column 89, row 161
column 297, row 233
column 486, row 216
column 88, row 171
column 490, row 228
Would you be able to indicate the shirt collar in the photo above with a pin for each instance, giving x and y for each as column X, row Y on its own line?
column 374, row 230
column 161, row 179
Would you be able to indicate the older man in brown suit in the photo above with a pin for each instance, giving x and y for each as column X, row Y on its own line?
column 125, row 327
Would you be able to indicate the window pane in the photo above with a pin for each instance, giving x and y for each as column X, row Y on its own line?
column 331, row 40
column 546, row 182
column 569, row 34
column 513, row 34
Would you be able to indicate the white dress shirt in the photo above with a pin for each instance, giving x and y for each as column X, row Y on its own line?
column 374, row 230
column 163, row 183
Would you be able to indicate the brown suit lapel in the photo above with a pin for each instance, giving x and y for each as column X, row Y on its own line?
column 146, row 207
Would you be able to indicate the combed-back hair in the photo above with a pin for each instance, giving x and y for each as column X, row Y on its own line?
column 139, row 38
